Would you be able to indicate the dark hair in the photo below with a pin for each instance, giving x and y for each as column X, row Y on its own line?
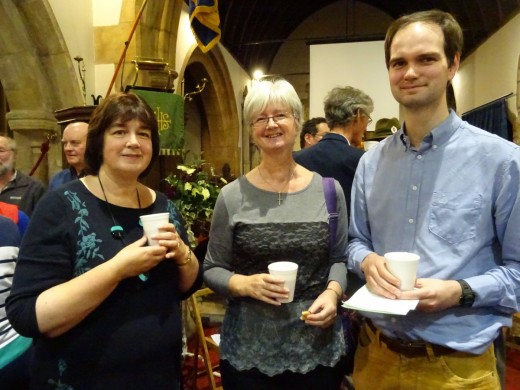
column 453, row 37
column 122, row 107
column 310, row 127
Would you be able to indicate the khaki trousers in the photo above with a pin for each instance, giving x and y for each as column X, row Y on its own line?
column 377, row 367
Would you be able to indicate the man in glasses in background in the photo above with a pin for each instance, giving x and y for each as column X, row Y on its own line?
column 337, row 154
column 15, row 187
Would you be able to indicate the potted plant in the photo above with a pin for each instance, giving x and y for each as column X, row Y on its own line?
column 194, row 192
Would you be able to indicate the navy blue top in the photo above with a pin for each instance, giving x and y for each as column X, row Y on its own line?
column 132, row 339
column 333, row 157
column 63, row 177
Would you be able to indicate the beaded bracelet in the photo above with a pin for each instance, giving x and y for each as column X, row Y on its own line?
column 188, row 259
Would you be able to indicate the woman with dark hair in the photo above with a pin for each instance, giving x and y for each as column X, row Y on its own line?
column 101, row 305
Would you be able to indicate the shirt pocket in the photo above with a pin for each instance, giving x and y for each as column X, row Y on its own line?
column 454, row 215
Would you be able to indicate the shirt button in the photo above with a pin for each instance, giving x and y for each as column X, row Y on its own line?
column 410, row 220
column 419, row 157
column 435, row 146
column 414, row 188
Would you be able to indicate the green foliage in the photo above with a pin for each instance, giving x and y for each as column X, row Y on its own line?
column 194, row 193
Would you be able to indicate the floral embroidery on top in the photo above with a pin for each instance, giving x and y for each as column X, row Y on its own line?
column 88, row 243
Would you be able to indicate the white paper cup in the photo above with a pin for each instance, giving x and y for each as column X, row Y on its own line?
column 403, row 265
column 151, row 224
column 288, row 271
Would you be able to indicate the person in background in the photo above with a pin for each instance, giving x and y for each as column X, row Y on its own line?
column 385, row 127
column 16, row 215
column 14, row 349
column 15, row 187
column 277, row 212
column 313, row 131
column 74, row 141
column 448, row 191
column 348, row 112
column 104, row 308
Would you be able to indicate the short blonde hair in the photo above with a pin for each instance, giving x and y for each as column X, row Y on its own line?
column 272, row 90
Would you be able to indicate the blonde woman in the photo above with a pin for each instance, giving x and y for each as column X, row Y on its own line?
column 277, row 212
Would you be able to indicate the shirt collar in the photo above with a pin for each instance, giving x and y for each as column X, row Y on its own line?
column 437, row 136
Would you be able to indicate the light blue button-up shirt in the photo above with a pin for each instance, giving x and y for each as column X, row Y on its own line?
column 454, row 201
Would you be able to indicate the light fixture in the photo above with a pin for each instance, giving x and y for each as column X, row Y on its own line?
column 258, row 74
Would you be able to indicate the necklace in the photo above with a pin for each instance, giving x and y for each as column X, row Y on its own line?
column 116, row 230
column 290, row 176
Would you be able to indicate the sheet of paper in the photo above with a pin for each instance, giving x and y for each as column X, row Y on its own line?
column 364, row 300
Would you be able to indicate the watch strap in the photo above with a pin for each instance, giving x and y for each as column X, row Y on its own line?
column 467, row 297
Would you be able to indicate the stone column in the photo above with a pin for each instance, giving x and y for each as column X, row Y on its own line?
column 30, row 130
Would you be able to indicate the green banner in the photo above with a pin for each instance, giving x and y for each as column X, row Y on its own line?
column 169, row 110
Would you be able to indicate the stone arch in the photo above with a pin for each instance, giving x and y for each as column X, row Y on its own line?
column 217, row 108
column 217, row 117
column 37, row 75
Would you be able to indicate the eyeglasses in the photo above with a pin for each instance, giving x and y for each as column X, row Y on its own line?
column 262, row 121
column 361, row 113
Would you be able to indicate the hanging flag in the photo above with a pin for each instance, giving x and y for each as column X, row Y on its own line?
column 205, row 23
column 169, row 111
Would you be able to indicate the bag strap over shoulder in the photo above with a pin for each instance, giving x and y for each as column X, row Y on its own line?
column 329, row 189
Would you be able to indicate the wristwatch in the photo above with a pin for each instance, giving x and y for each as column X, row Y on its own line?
column 468, row 296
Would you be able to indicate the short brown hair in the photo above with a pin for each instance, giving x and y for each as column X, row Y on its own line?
column 453, row 37
column 122, row 107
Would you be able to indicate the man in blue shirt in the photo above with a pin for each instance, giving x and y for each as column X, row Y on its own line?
column 74, row 141
column 449, row 192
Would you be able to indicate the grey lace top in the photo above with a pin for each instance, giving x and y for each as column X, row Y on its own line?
column 248, row 232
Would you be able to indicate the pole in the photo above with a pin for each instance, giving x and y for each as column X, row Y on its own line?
column 127, row 43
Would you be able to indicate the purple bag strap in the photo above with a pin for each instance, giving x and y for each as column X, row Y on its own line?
column 331, row 200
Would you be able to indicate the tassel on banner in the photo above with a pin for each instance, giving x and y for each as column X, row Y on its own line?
column 205, row 23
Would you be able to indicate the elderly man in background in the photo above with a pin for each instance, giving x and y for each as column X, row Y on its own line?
column 74, row 141
column 16, row 187
column 348, row 112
